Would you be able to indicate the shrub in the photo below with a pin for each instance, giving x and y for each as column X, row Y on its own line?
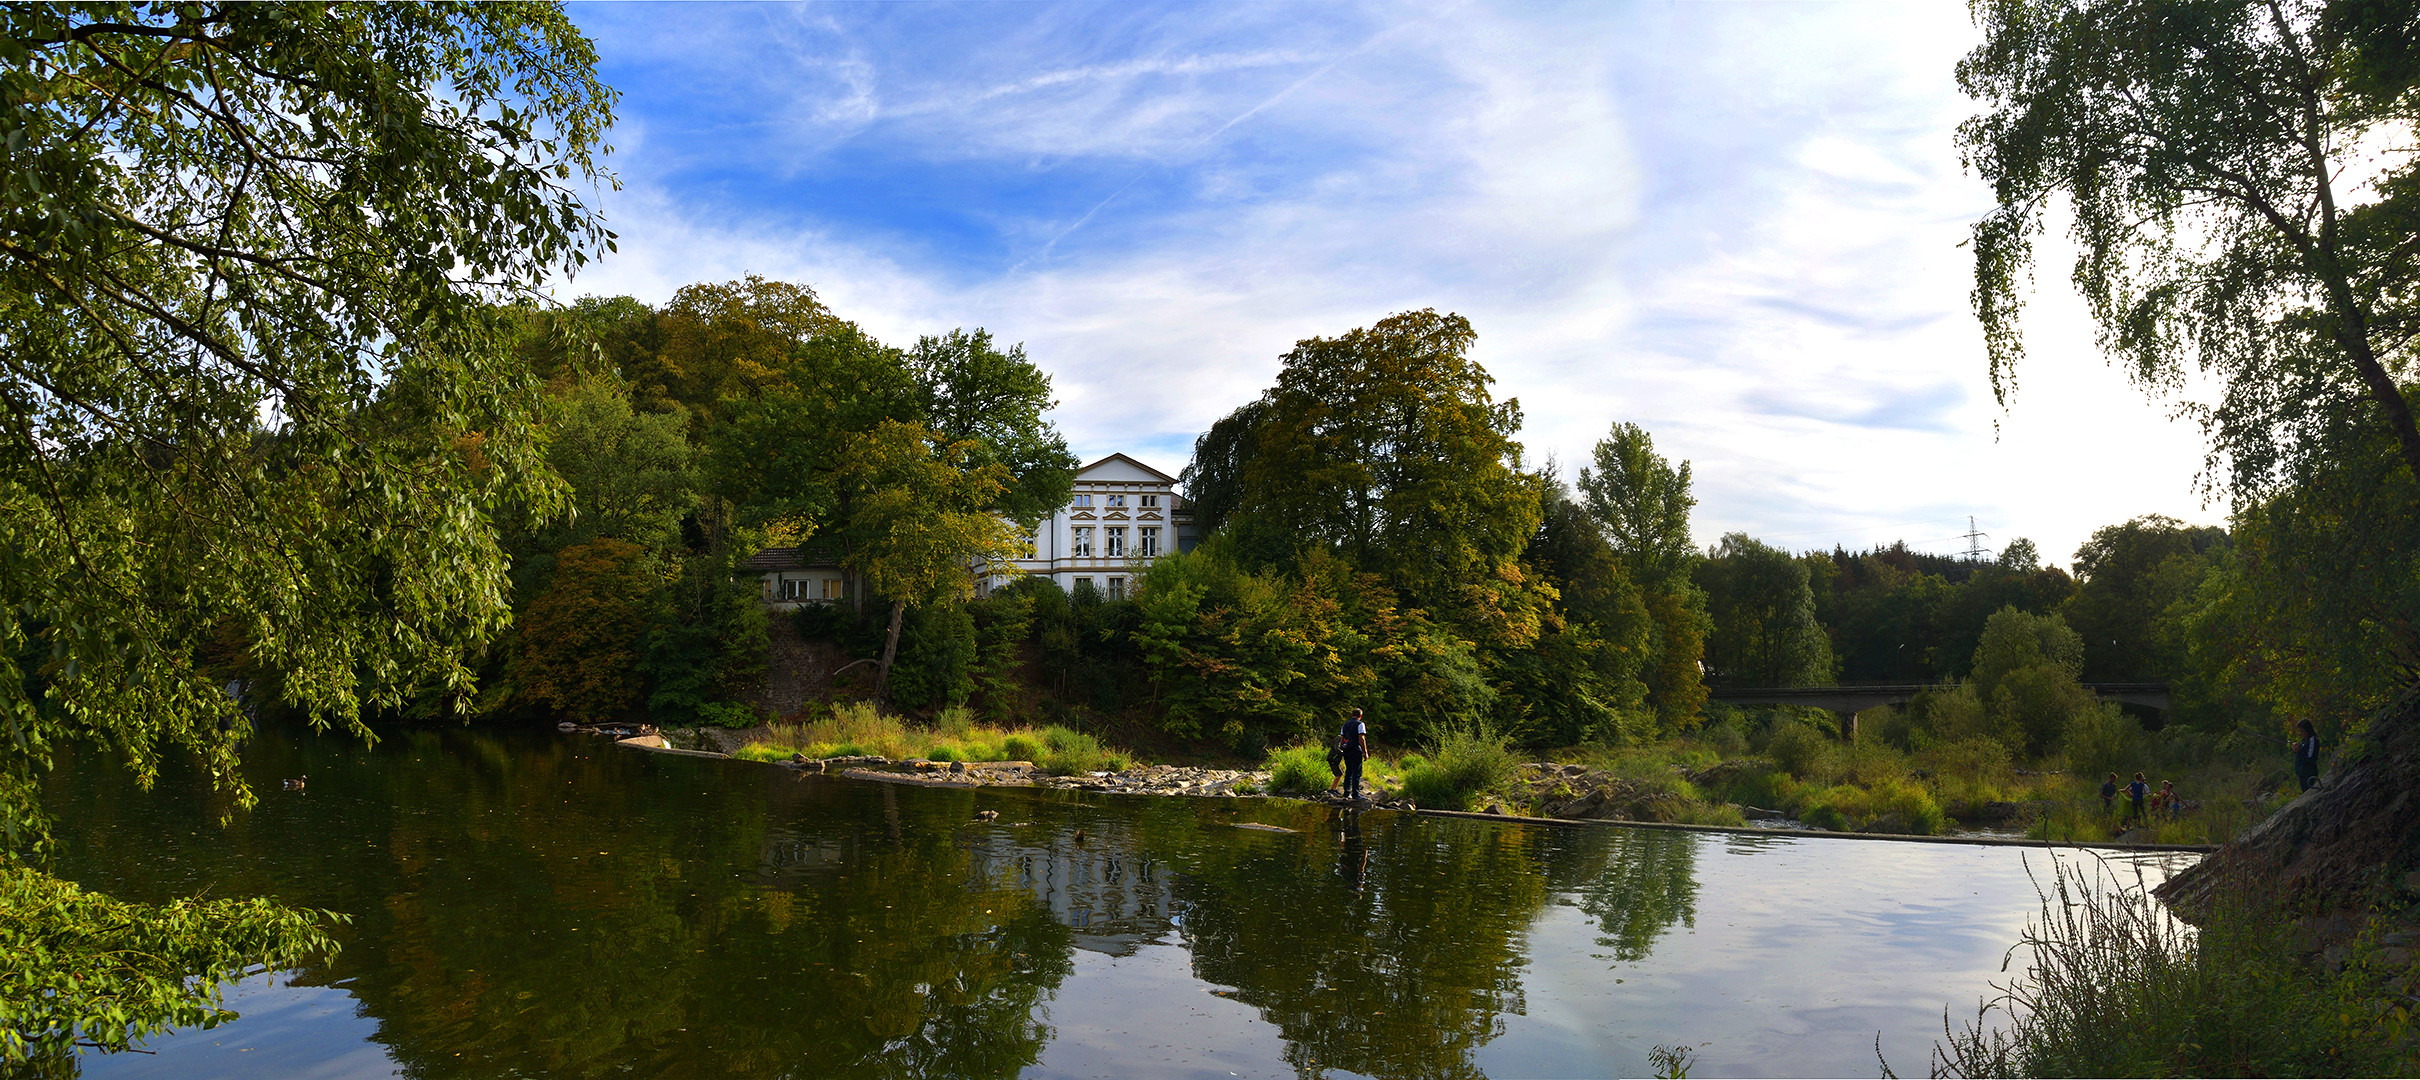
column 2100, row 740
column 1798, row 748
column 1021, row 747
column 1066, row 752
column 728, row 714
column 1890, row 806
column 1464, row 765
column 1300, row 770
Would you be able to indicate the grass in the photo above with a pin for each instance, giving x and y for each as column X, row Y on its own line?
column 859, row 730
column 2113, row 985
column 1463, row 766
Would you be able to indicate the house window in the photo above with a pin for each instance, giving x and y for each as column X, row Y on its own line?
column 1151, row 502
column 831, row 588
column 1117, row 588
column 1117, row 502
column 1147, row 544
column 1080, row 502
column 1082, row 548
column 1117, row 544
column 1083, row 585
column 789, row 589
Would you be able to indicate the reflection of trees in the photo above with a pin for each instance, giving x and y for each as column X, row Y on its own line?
column 1405, row 976
column 1647, row 882
column 720, row 932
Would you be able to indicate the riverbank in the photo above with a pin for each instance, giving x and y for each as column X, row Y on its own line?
column 1203, row 782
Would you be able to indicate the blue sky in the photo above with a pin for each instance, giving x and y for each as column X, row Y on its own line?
column 1736, row 224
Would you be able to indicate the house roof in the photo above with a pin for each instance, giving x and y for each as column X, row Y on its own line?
column 790, row 558
column 1130, row 461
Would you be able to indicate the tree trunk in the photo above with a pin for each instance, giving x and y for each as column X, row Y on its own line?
column 890, row 650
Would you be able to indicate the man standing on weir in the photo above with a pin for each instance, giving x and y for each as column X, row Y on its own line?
column 1354, row 741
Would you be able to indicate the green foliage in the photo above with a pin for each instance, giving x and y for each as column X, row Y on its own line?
column 1067, row 752
column 224, row 213
column 1763, row 614
column 2132, row 575
column 258, row 408
column 1463, row 766
column 2025, row 669
column 705, row 640
column 971, row 392
column 579, row 640
column 78, row 969
column 728, row 714
column 2238, row 207
column 1894, row 806
column 1383, row 446
column 1643, row 503
column 936, row 658
column 1300, row 770
column 2115, row 985
column 1798, row 748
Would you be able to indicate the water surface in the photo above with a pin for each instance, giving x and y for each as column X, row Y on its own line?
column 531, row 905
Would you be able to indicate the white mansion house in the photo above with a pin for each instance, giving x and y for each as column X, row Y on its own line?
column 1123, row 514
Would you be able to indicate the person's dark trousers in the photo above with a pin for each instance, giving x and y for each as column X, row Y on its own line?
column 1352, row 775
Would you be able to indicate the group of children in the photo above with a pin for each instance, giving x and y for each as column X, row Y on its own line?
column 2142, row 804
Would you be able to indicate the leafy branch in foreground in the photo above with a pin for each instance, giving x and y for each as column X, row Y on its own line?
column 78, row 969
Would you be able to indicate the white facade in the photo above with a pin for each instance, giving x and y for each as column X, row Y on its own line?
column 1123, row 514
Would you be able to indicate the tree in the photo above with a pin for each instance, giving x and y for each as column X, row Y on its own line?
column 1384, row 446
column 2245, row 203
column 1765, row 633
column 256, row 402
column 2132, row 574
column 2025, row 673
column 1642, row 503
column 993, row 401
column 919, row 519
column 579, row 640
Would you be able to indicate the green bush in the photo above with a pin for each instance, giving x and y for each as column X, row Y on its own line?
column 1067, row 752
column 1300, row 770
column 728, row 714
column 1798, row 748
column 1021, row 748
column 1463, row 766
column 1890, row 806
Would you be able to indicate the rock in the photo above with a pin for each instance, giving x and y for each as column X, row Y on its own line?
column 2329, row 848
column 957, row 766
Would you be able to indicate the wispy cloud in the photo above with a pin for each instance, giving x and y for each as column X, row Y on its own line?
column 1735, row 224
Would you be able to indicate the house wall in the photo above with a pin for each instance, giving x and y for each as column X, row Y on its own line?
column 1075, row 543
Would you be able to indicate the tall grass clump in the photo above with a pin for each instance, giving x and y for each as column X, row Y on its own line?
column 1066, row 752
column 1463, row 766
column 1888, row 806
column 1300, row 770
column 2116, row 986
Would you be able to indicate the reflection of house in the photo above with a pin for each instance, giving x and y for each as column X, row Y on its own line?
column 798, row 575
column 1114, row 901
column 1123, row 514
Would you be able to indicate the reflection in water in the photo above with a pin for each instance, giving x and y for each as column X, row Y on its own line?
column 1645, row 881
column 1398, row 965
column 531, row 905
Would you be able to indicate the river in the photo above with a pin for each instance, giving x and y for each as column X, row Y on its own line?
column 527, row 904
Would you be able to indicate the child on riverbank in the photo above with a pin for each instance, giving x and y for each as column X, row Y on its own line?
column 2136, row 793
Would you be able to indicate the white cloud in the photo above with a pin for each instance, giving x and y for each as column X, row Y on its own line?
column 1738, row 226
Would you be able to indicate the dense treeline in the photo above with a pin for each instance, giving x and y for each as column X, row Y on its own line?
column 1375, row 538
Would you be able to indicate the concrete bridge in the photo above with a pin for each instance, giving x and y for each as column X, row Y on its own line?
column 1851, row 700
